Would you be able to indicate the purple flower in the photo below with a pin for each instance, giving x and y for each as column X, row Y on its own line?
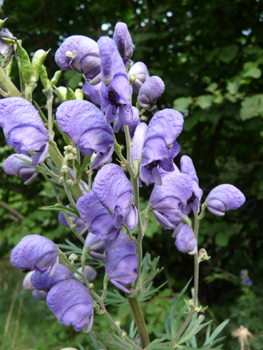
column 72, row 304
column 85, row 125
column 136, row 120
column 123, row 41
column 151, row 90
column 138, row 74
column 169, row 199
column 17, row 167
column 39, row 295
column 185, row 239
column 245, row 278
column 35, row 252
column 188, row 168
column 95, row 245
column 93, row 91
column 115, row 88
column 43, row 282
column 23, row 128
column 224, row 197
column 114, row 191
column 81, row 54
column 160, row 146
column 138, row 141
column 96, row 217
column 80, row 225
column 121, row 263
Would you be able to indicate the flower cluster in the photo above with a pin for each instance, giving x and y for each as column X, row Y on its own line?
column 108, row 206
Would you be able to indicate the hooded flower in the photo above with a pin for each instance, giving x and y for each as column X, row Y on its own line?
column 72, row 304
column 185, row 239
column 114, row 191
column 17, row 167
column 138, row 74
column 43, row 282
column 35, row 252
column 188, row 168
column 81, row 54
column 136, row 120
column 123, row 41
column 115, row 88
column 95, row 245
column 23, row 128
column 85, row 125
column 151, row 90
column 223, row 198
column 97, row 218
column 160, row 146
column 169, row 199
column 121, row 263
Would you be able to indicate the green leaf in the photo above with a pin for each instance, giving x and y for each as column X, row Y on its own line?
column 204, row 101
column 212, row 87
column 253, row 72
column 252, row 107
column 228, row 53
column 222, row 239
column 60, row 208
column 170, row 324
column 182, row 103
column 211, row 338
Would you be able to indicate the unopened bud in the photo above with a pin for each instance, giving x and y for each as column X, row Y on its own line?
column 60, row 180
column 123, row 334
column 70, row 182
column 203, row 256
column 73, row 257
column 118, row 323
column 91, row 285
column 64, row 169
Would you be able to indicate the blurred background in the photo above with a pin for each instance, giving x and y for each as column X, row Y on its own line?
column 210, row 57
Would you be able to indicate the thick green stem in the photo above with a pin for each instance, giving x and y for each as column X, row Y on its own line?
column 196, row 281
column 7, row 84
column 139, row 320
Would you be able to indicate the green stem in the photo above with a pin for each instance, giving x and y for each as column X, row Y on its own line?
column 134, row 304
column 7, row 84
column 139, row 320
column 49, row 95
column 196, row 281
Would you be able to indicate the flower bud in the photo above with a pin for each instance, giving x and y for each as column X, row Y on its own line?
column 15, row 166
column 223, row 198
column 37, row 62
column 123, row 41
column 150, row 91
column 138, row 74
column 185, row 239
column 95, row 245
column 6, row 48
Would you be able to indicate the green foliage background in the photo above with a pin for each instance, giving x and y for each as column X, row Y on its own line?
column 210, row 56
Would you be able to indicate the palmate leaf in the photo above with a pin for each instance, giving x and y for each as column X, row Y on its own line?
column 194, row 327
column 115, row 298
